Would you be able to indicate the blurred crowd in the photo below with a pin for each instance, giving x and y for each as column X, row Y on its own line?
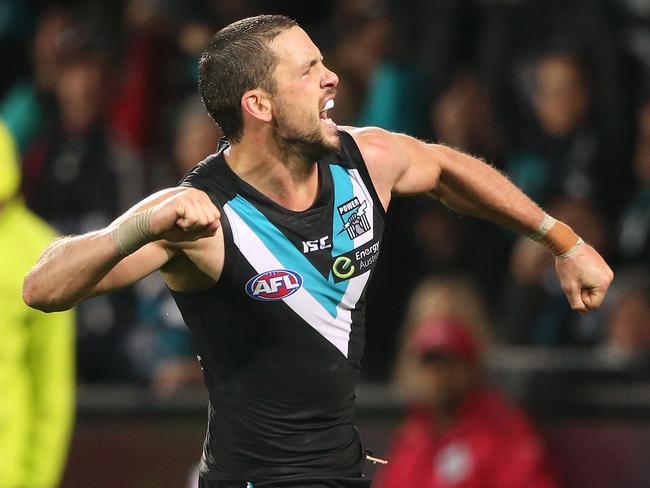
column 101, row 101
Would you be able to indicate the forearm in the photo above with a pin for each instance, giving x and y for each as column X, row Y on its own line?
column 69, row 269
column 472, row 187
column 135, row 245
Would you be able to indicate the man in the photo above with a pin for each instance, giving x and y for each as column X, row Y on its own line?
column 268, row 246
column 36, row 350
column 460, row 431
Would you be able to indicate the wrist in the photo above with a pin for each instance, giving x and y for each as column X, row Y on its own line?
column 133, row 233
column 558, row 237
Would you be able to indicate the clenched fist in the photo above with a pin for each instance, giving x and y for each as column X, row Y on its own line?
column 585, row 278
column 185, row 216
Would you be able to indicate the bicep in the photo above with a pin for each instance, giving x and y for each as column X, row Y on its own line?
column 398, row 163
column 421, row 169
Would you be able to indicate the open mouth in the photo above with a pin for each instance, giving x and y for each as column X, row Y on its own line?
column 328, row 106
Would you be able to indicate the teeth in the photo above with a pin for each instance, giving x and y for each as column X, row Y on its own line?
column 329, row 105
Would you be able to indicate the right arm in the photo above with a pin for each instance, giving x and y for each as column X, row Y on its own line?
column 74, row 268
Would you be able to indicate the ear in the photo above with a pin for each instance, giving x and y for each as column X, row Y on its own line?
column 257, row 104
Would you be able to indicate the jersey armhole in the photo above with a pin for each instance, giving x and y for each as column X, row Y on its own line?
column 228, row 241
column 353, row 155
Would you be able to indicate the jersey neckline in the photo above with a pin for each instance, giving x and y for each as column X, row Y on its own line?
column 322, row 195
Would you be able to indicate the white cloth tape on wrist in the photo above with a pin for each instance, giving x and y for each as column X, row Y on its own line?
column 543, row 228
column 570, row 251
column 133, row 233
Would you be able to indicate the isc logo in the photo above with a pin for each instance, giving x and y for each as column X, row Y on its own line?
column 274, row 285
column 316, row 244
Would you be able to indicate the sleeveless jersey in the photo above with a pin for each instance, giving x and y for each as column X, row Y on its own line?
column 281, row 334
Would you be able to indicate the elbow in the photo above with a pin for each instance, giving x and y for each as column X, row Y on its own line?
column 30, row 294
column 36, row 297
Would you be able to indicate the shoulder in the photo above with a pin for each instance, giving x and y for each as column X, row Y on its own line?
column 391, row 153
column 384, row 155
column 374, row 143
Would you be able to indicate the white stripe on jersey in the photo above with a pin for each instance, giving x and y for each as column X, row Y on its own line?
column 335, row 329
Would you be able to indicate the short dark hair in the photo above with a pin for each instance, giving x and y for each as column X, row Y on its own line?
column 237, row 59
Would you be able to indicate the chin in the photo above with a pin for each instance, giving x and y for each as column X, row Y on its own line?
column 331, row 137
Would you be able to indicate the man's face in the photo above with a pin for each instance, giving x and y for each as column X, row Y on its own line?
column 562, row 96
column 448, row 380
column 303, row 86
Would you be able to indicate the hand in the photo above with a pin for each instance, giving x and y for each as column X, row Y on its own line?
column 186, row 216
column 585, row 277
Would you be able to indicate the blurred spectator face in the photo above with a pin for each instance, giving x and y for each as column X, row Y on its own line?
column 438, row 235
column 448, row 359
column 449, row 113
column 47, row 47
column 447, row 380
column 196, row 138
column 81, row 92
column 453, row 297
column 146, row 16
column 363, row 45
column 629, row 324
column 562, row 95
column 462, row 117
column 193, row 37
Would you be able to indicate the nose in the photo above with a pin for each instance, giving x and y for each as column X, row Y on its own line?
column 330, row 80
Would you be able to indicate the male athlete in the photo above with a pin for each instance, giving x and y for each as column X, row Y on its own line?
column 268, row 246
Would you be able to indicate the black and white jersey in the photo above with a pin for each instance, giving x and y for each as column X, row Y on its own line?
column 281, row 335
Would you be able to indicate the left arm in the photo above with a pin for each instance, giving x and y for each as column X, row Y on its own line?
column 402, row 165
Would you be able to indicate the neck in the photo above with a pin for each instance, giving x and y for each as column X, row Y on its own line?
column 279, row 173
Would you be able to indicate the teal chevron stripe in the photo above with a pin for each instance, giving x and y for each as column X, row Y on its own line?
column 325, row 291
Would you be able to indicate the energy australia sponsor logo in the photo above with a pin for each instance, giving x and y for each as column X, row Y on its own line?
column 274, row 285
column 355, row 262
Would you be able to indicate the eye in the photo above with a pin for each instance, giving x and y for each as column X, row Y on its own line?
column 307, row 72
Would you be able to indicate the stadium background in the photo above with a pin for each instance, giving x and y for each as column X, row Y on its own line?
column 101, row 99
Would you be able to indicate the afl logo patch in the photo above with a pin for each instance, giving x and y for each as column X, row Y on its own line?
column 274, row 285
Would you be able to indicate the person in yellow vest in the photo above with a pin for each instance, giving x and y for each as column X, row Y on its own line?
column 36, row 349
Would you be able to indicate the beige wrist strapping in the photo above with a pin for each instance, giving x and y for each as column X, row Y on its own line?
column 557, row 236
column 543, row 228
column 575, row 247
column 133, row 233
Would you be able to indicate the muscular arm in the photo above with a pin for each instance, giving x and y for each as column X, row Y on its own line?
column 74, row 268
column 402, row 165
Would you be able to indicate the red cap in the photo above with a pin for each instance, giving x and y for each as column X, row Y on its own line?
column 445, row 335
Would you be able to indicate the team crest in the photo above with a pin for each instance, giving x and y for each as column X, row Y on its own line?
column 353, row 215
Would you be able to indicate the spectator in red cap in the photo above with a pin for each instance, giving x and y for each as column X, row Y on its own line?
column 460, row 432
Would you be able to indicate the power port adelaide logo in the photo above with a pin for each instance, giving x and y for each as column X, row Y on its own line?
column 353, row 215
